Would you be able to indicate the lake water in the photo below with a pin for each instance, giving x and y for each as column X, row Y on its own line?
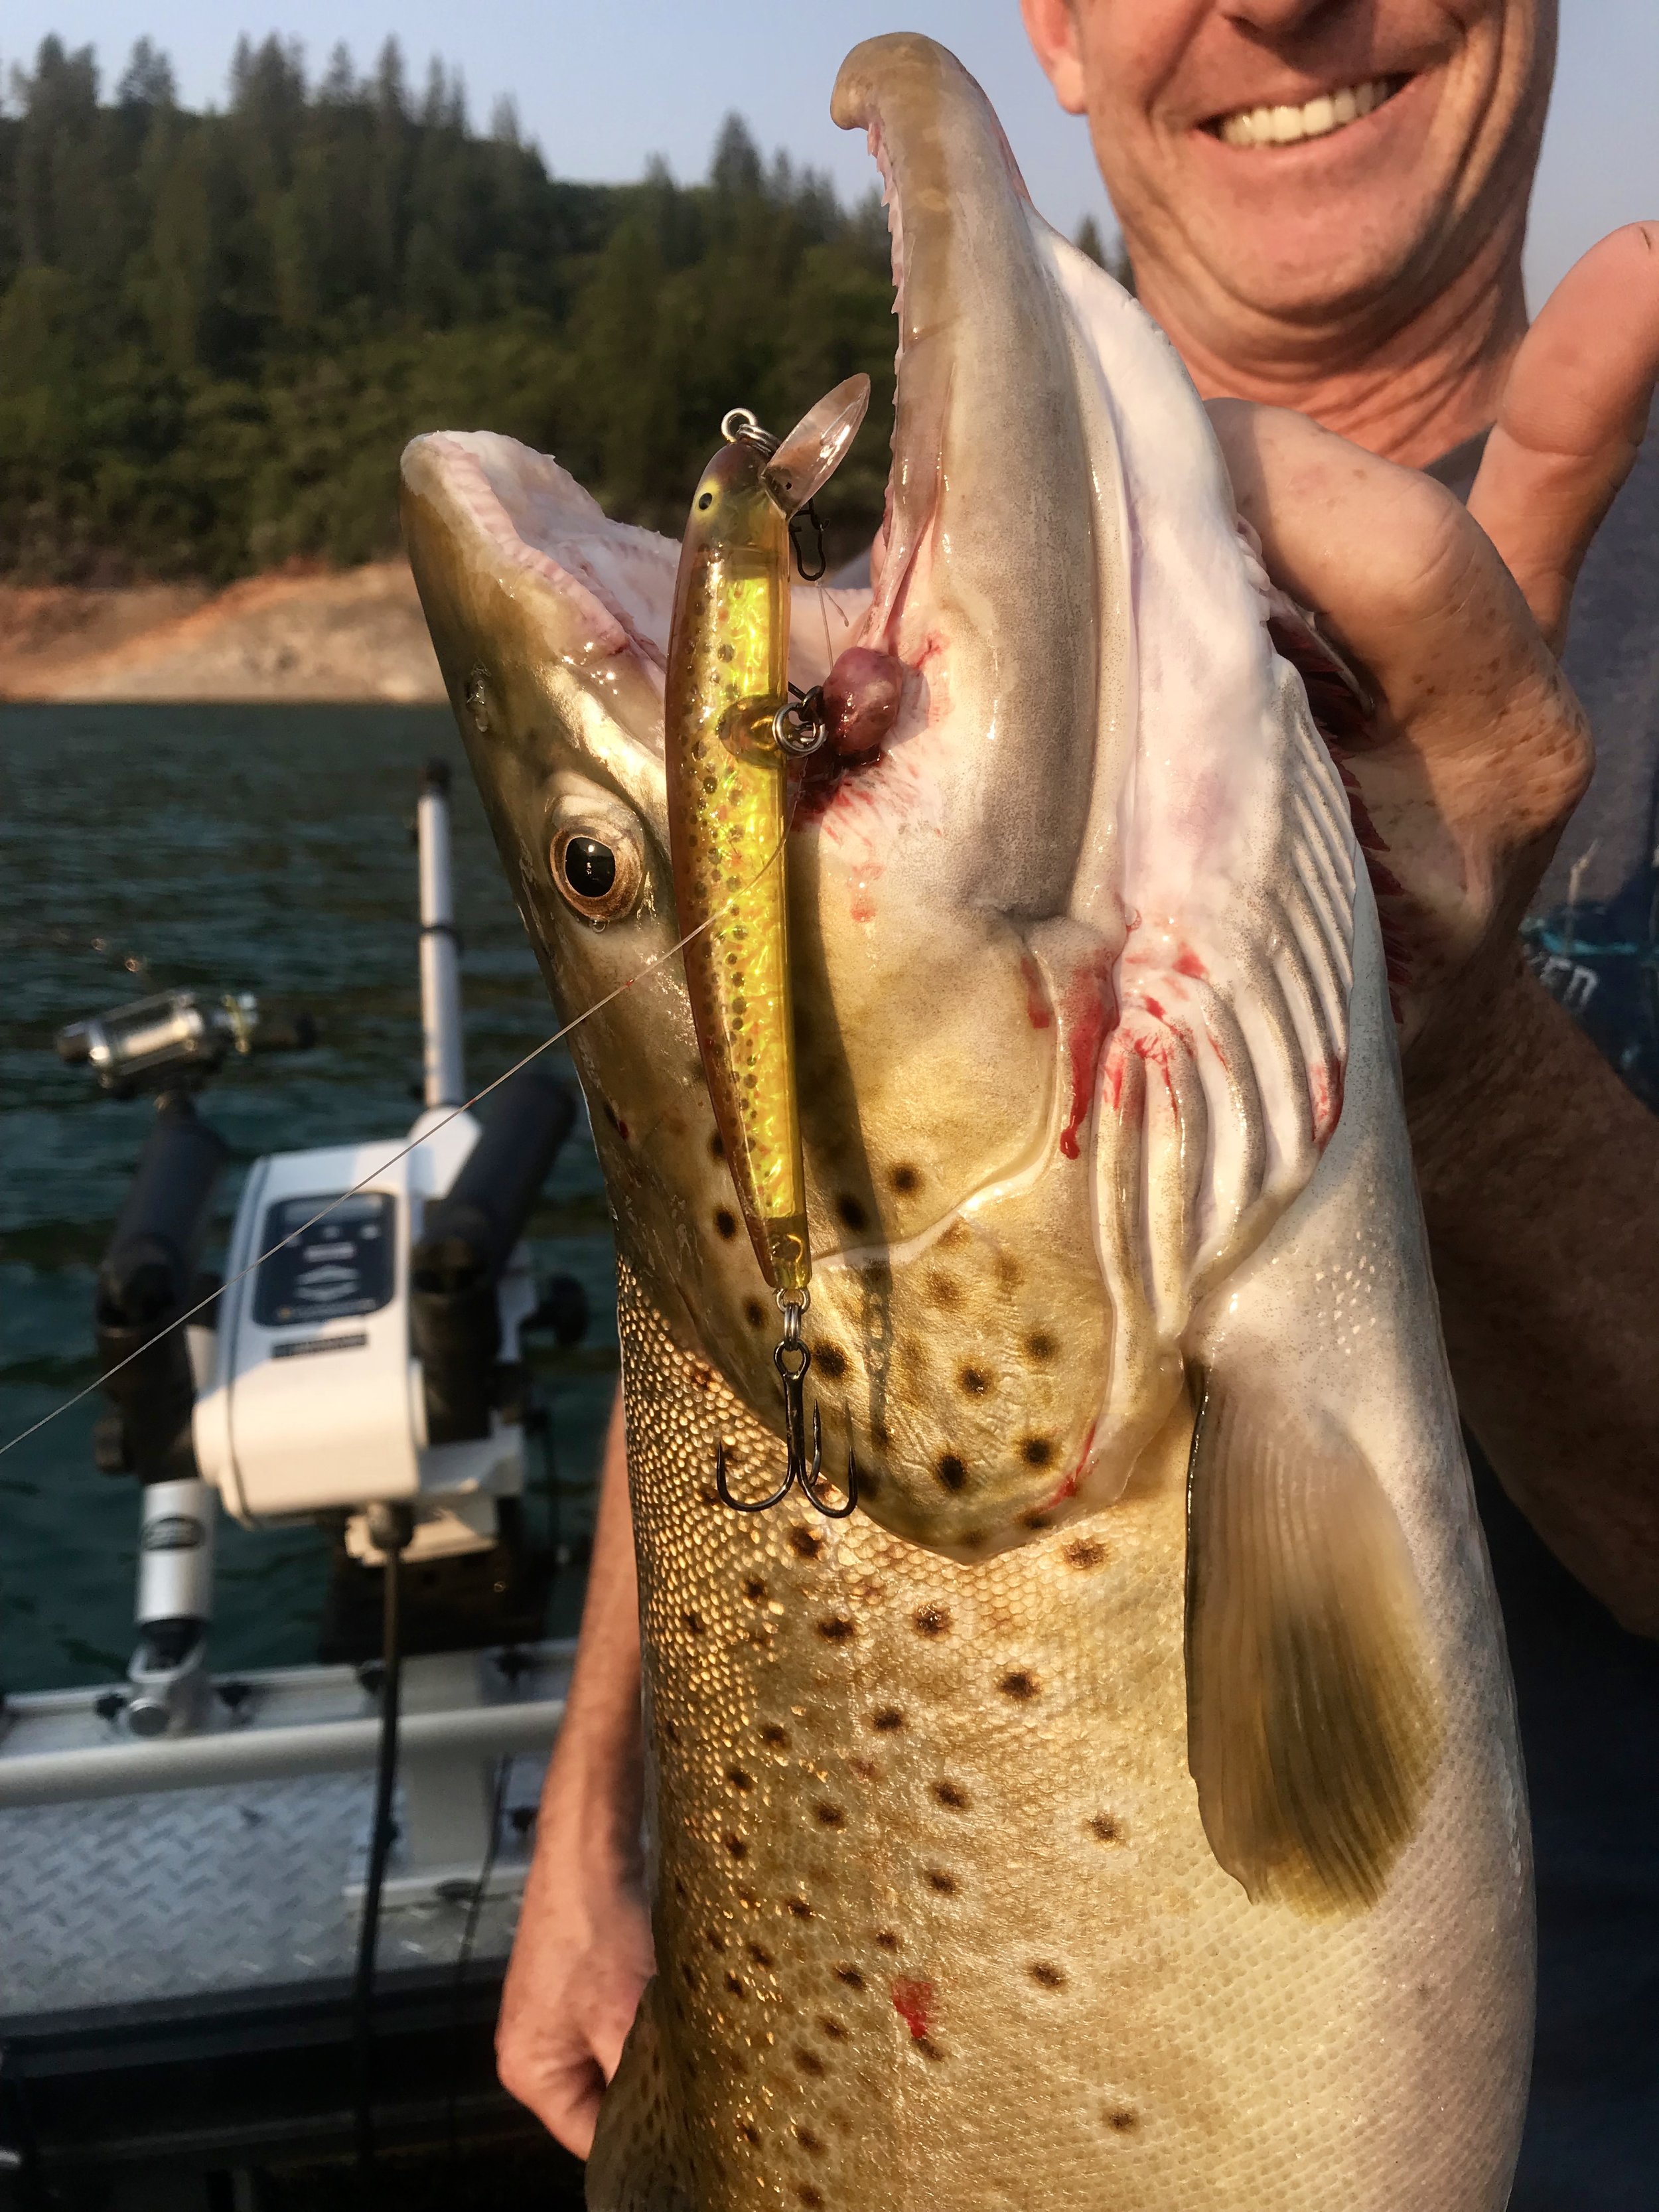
column 254, row 848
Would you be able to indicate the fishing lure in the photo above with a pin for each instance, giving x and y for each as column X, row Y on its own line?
column 732, row 732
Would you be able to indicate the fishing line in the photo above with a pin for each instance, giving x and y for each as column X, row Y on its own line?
column 414, row 1144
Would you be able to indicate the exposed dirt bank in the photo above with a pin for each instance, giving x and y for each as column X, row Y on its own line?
column 354, row 635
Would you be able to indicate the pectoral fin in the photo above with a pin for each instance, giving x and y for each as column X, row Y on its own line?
column 1313, row 1714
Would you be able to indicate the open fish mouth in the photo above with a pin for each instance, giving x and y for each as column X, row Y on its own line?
column 1070, row 955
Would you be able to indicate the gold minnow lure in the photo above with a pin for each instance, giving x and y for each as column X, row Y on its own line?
column 731, row 736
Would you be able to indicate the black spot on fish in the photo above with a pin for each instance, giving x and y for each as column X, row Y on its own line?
column 808, row 2061
column 905, row 1179
column 749, row 2131
column 974, row 1381
column 951, row 1473
column 693, row 1623
column 889, row 1718
column 714, row 1940
column 1105, row 1829
column 738, row 1779
column 1019, row 1686
column 931, row 1619
column 761, row 1956
column 806, row 2139
column 777, row 1737
column 830, row 1360
column 831, row 1816
column 754, row 1588
column 1087, row 1551
column 736, row 1845
column 835, row 2029
column 811, row 2198
column 1123, row 2120
column 799, row 1907
column 1048, row 1977
column 1040, row 1346
column 927, row 2047
column 886, row 1939
column 734, row 1983
column 850, row 1976
column 1036, row 1451
column 850, row 1212
column 753, row 1312
column 837, row 1629
column 804, row 1543
column 951, row 1794
column 1035, row 1520
column 716, row 1143
column 725, row 1223
column 945, row 1292
column 943, row 1883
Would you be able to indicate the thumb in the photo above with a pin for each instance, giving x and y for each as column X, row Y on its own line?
column 1572, row 415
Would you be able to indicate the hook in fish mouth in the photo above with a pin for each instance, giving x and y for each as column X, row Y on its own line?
column 792, row 1357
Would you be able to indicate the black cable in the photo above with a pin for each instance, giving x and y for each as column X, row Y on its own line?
column 390, row 1528
column 464, row 1951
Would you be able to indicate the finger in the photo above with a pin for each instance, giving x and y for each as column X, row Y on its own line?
column 1412, row 588
column 1388, row 558
column 565, row 2098
column 1573, row 414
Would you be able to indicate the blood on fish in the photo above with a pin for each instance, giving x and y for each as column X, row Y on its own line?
column 1324, row 1090
column 1068, row 1488
column 914, row 2003
column 1090, row 1005
column 1188, row 964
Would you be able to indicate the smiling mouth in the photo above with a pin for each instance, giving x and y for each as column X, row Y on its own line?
column 1315, row 118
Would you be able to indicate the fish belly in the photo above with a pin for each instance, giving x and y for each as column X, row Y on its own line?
column 937, row 1923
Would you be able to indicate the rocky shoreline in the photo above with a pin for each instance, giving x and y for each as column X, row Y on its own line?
column 323, row 635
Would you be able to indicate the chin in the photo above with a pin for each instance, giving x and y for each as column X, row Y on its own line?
column 1306, row 265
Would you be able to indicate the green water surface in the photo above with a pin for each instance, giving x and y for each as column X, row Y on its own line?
column 253, row 848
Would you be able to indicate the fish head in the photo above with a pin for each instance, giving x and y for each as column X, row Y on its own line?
column 1012, row 1194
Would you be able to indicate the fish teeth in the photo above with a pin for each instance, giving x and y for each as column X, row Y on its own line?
column 1315, row 118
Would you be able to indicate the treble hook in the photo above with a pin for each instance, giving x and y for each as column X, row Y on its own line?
column 791, row 1359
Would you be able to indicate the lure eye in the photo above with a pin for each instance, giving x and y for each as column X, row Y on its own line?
column 598, row 874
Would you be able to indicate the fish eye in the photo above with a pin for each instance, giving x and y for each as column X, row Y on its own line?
column 590, row 867
column 706, row 499
column 599, row 870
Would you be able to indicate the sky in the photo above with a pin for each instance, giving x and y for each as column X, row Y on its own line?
column 602, row 85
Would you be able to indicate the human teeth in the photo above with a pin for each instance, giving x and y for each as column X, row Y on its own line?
column 1285, row 126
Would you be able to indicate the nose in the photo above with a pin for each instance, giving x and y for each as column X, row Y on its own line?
column 1273, row 18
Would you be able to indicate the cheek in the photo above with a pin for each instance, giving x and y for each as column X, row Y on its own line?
column 1133, row 52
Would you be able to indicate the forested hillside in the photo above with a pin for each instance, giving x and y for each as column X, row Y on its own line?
column 217, row 331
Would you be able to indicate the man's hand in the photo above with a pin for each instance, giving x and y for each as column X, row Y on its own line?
column 1539, row 1169
column 583, row 1955
column 581, row 1960
column 1478, row 750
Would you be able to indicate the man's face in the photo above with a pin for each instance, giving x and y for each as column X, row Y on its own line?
column 1305, row 160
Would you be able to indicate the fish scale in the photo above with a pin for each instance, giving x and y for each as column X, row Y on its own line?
column 933, row 1885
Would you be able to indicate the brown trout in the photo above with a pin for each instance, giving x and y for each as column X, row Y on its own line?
column 1122, row 1808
